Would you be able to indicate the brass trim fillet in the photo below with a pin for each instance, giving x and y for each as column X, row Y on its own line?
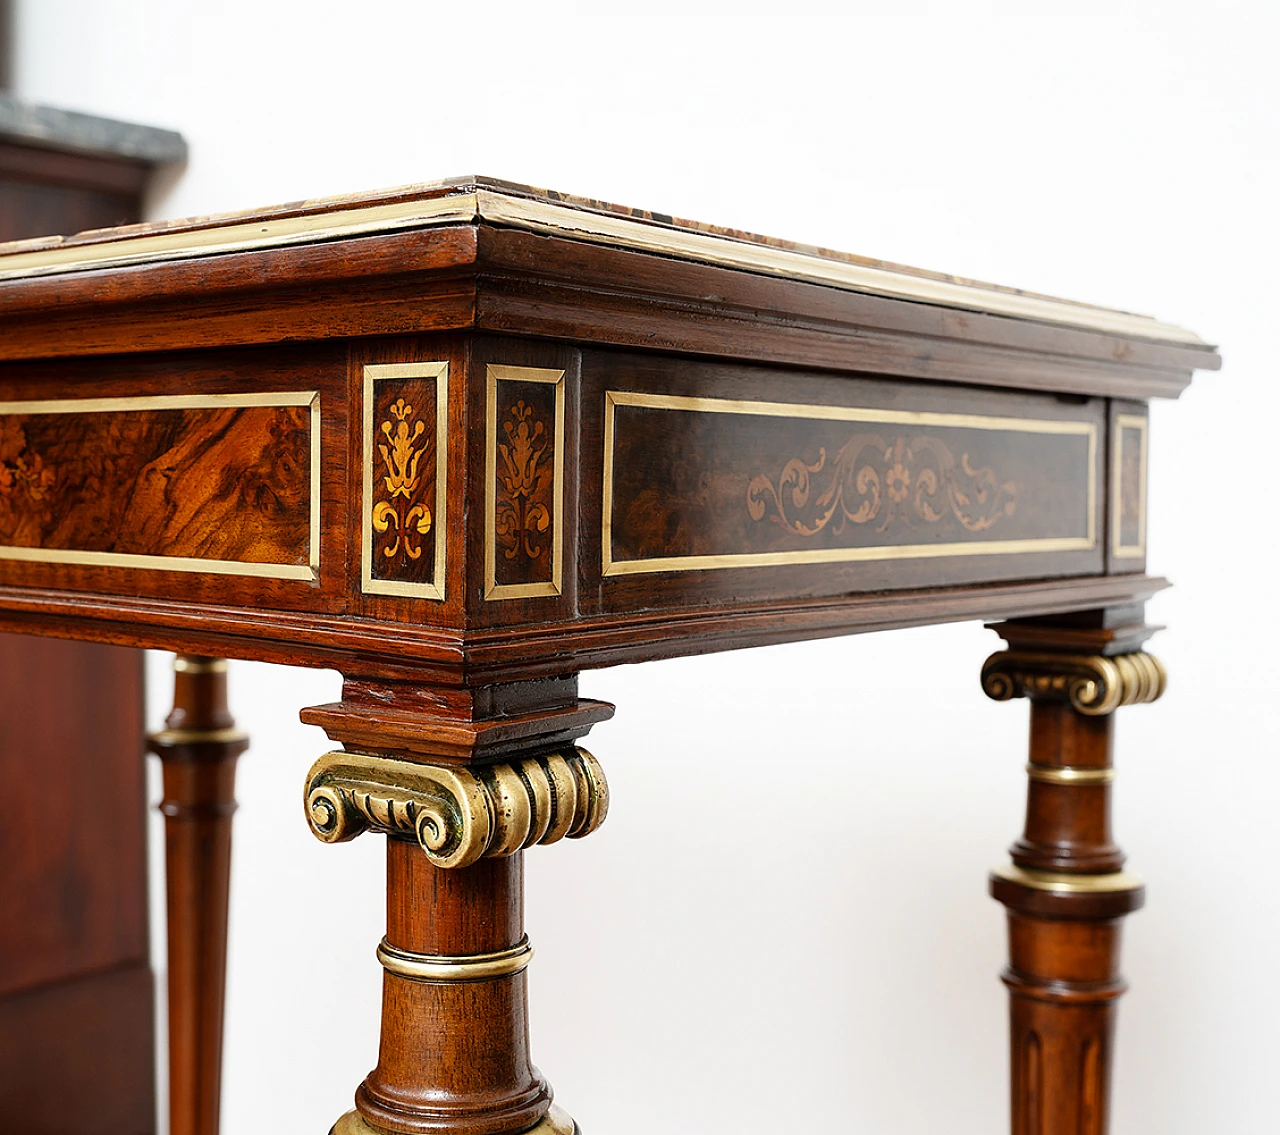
column 1118, row 549
column 1082, row 777
column 493, row 590
column 197, row 736
column 340, row 218
column 1058, row 882
column 437, row 969
column 190, row 664
column 615, row 398
column 378, row 372
column 307, row 573
column 556, row 1122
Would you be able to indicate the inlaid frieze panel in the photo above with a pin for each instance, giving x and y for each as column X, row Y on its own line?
column 694, row 484
column 405, row 419
column 524, row 481
column 1129, row 487
column 218, row 483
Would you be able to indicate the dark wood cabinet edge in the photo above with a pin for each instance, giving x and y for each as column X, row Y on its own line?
column 37, row 165
column 451, row 658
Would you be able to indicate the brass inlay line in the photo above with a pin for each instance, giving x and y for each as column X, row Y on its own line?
column 1120, row 549
column 389, row 371
column 1059, row 882
column 308, row 572
column 465, row 967
column 346, row 218
column 1068, row 775
column 492, row 588
column 615, row 398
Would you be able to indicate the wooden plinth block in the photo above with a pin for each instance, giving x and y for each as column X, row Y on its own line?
column 454, row 1056
column 1065, row 891
column 198, row 749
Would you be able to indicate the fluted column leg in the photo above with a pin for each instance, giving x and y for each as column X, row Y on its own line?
column 198, row 749
column 1065, row 890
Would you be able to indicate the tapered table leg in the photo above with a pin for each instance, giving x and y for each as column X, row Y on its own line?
column 198, row 749
column 460, row 790
column 1065, row 890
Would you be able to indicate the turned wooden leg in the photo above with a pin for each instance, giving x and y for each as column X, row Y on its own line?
column 1065, row 890
column 460, row 790
column 198, row 749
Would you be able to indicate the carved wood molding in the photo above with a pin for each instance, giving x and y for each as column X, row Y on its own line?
column 458, row 815
column 1093, row 684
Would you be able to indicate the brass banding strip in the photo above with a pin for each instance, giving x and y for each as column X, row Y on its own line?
column 1068, row 775
column 343, row 218
column 198, row 736
column 192, row 664
column 1059, row 882
column 463, row 967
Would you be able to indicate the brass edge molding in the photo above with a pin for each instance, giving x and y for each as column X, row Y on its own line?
column 378, row 372
column 240, row 233
column 193, row 664
column 555, row 1122
column 1119, row 549
column 1059, row 427
column 493, row 590
column 1067, row 775
column 344, row 218
column 308, row 572
column 711, row 248
column 458, row 814
column 435, row 969
column 1093, row 685
column 1057, row 882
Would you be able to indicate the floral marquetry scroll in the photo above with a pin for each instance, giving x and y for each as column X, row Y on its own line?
column 405, row 413
column 908, row 481
column 524, row 482
column 699, row 484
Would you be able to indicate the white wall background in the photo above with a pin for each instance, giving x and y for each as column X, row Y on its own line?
column 700, row 970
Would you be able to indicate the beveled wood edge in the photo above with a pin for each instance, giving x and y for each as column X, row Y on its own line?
column 357, row 646
column 473, row 203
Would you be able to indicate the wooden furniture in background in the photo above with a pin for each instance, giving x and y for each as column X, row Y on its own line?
column 462, row 441
column 76, row 1002
column 198, row 748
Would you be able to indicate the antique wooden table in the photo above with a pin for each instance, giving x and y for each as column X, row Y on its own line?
column 462, row 441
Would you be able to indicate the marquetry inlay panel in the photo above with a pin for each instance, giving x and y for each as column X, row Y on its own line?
column 219, row 483
column 524, row 481
column 1129, row 487
column 405, row 422
column 692, row 484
